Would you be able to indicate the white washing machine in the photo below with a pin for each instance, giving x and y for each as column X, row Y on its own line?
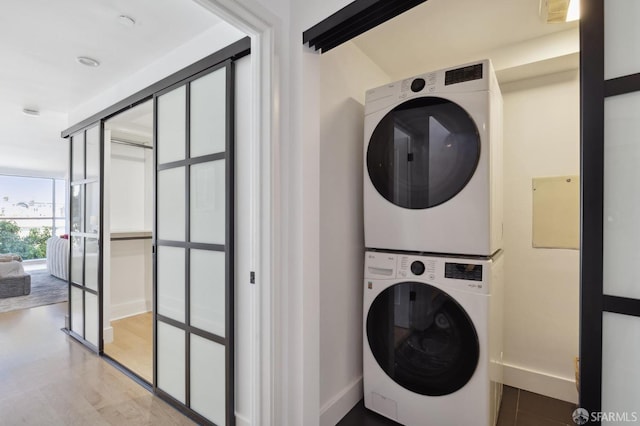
column 433, row 163
column 433, row 339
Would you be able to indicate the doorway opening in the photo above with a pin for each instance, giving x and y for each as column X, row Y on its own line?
column 128, row 260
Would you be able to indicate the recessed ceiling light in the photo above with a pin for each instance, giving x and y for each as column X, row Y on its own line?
column 126, row 21
column 33, row 112
column 90, row 62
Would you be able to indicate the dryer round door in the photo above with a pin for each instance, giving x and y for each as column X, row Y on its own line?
column 423, row 152
column 422, row 338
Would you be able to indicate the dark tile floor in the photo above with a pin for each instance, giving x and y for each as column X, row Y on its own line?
column 519, row 408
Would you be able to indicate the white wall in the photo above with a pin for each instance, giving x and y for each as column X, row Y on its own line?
column 32, row 146
column 131, row 278
column 130, row 205
column 541, row 138
column 346, row 73
column 132, row 184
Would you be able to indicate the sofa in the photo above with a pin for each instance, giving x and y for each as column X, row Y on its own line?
column 58, row 257
column 13, row 280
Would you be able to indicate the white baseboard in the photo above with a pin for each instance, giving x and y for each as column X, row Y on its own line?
column 338, row 406
column 107, row 334
column 541, row 383
column 128, row 309
column 241, row 421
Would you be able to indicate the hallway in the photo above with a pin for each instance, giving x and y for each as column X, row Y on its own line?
column 48, row 379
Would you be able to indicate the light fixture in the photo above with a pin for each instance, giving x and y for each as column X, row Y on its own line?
column 126, row 21
column 559, row 11
column 90, row 62
column 573, row 12
column 32, row 112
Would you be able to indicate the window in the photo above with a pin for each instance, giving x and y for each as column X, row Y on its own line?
column 31, row 210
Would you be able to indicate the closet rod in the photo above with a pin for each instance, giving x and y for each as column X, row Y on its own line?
column 124, row 142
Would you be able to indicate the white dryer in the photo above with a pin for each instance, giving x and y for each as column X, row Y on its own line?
column 432, row 339
column 433, row 163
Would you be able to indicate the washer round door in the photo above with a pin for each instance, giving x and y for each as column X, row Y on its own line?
column 422, row 338
column 423, row 152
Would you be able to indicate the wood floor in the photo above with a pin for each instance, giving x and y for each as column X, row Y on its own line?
column 46, row 378
column 132, row 344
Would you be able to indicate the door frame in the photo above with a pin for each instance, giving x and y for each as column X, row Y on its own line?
column 591, row 201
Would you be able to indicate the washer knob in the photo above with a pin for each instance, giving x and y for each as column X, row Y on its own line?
column 417, row 268
column 418, row 84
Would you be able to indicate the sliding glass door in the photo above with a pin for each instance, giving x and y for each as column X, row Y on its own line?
column 610, row 293
column 85, row 279
column 193, row 265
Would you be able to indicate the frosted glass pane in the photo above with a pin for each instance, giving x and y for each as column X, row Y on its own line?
column 171, row 285
column 171, row 204
column 208, row 379
column 621, row 228
column 172, row 126
column 77, row 208
column 208, row 113
column 620, row 368
column 91, row 318
column 77, row 259
column 92, row 219
column 207, row 280
column 77, row 322
column 208, row 202
column 171, row 361
column 621, row 37
column 77, row 157
column 93, row 153
column 91, row 263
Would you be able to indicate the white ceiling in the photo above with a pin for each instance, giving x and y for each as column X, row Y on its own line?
column 441, row 33
column 39, row 49
column 40, row 40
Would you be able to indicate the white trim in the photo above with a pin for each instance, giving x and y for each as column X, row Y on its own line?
column 107, row 334
column 252, row 18
column 242, row 421
column 335, row 409
column 129, row 309
column 541, row 383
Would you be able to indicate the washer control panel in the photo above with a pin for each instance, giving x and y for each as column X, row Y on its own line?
column 417, row 267
column 467, row 274
column 463, row 271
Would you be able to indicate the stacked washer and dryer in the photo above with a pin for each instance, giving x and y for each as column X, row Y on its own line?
column 433, row 235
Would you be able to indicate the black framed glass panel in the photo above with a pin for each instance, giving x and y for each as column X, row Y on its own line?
column 193, row 265
column 85, row 261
